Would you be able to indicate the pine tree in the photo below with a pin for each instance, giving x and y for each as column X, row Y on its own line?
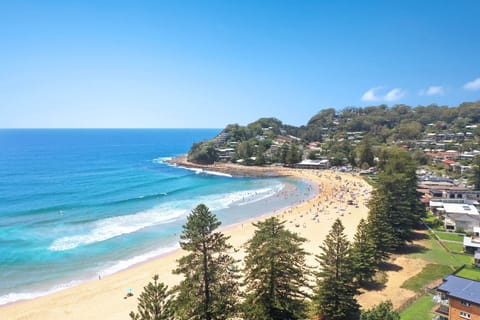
column 379, row 228
column 260, row 157
column 398, row 183
column 395, row 208
column 363, row 254
column 154, row 302
column 382, row 311
column 365, row 153
column 209, row 290
column 275, row 273
column 335, row 292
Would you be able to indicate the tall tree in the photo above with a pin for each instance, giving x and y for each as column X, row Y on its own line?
column 399, row 183
column 395, row 208
column 275, row 273
column 335, row 292
column 382, row 311
column 154, row 302
column 365, row 156
column 363, row 254
column 379, row 227
column 293, row 155
column 475, row 176
column 209, row 290
column 260, row 155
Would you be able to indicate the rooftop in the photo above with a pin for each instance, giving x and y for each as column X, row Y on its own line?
column 460, row 208
column 313, row 162
column 461, row 288
column 463, row 217
column 469, row 242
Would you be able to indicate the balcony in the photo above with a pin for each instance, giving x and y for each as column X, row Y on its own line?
column 441, row 311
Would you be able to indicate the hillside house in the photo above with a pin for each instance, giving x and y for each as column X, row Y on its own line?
column 225, row 154
column 313, row 164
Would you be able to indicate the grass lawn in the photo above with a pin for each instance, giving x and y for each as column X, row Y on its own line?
column 419, row 310
column 470, row 272
column 450, row 236
column 454, row 247
column 437, row 254
column 430, row 272
column 434, row 222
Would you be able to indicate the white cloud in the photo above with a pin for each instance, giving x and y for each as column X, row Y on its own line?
column 394, row 95
column 372, row 95
column 472, row 85
column 433, row 91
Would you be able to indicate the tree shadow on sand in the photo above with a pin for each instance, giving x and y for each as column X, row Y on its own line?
column 388, row 266
column 380, row 279
column 414, row 246
column 412, row 249
column 373, row 286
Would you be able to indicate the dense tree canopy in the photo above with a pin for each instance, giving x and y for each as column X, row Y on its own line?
column 203, row 152
column 395, row 208
column 275, row 273
column 382, row 311
column 335, row 292
column 363, row 255
column 380, row 124
column 154, row 302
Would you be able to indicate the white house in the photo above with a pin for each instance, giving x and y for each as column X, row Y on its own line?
column 460, row 216
column 313, row 164
column 472, row 245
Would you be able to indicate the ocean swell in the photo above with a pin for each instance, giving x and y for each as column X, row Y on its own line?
column 116, row 226
column 108, row 228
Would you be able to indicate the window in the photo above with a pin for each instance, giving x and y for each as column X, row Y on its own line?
column 464, row 315
column 465, row 303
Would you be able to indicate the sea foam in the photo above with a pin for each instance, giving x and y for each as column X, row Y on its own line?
column 18, row 296
column 108, row 228
column 165, row 160
column 116, row 226
column 126, row 263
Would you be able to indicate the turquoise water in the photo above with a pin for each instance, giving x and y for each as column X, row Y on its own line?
column 76, row 204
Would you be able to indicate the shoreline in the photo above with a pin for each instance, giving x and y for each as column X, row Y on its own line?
column 103, row 299
column 231, row 169
column 152, row 255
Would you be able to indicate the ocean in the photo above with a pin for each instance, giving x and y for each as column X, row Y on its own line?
column 78, row 204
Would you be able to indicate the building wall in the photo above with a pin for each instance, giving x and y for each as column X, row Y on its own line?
column 456, row 307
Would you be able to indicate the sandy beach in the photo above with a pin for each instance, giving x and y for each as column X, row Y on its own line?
column 312, row 219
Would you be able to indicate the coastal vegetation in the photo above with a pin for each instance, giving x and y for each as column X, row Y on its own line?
column 382, row 311
column 275, row 282
column 335, row 293
column 352, row 136
column 276, row 273
column 154, row 302
column 209, row 289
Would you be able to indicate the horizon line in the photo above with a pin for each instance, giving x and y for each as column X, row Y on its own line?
column 107, row 128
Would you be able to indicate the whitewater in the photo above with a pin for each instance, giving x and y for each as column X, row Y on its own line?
column 76, row 205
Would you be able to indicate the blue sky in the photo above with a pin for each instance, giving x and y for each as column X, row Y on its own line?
column 104, row 64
